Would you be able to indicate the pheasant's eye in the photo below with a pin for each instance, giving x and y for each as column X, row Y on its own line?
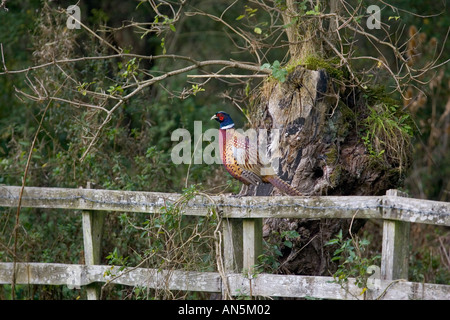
column 221, row 117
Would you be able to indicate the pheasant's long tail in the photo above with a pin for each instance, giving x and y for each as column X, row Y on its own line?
column 282, row 185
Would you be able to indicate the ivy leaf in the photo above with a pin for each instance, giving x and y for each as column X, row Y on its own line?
column 276, row 64
column 279, row 73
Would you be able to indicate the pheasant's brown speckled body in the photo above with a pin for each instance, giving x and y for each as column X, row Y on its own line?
column 241, row 159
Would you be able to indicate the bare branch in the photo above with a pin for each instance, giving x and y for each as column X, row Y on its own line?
column 233, row 76
column 233, row 64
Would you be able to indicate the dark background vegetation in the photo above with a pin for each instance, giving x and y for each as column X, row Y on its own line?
column 133, row 152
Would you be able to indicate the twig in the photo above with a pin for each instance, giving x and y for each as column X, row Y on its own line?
column 293, row 256
column 93, row 33
column 3, row 5
column 240, row 34
column 3, row 58
column 388, row 286
column 107, row 119
column 233, row 76
column 196, row 63
column 444, row 251
column 19, row 204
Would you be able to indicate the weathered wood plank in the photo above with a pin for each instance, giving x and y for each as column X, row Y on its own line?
column 416, row 210
column 395, row 246
column 232, row 245
column 92, row 234
column 398, row 208
column 252, row 230
column 75, row 276
column 264, row 285
column 92, row 238
column 300, row 207
column 271, row 285
column 395, row 250
column 86, row 199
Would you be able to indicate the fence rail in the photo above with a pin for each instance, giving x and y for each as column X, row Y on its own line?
column 241, row 244
column 368, row 207
column 265, row 285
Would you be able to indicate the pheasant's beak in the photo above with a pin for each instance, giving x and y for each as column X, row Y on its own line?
column 214, row 117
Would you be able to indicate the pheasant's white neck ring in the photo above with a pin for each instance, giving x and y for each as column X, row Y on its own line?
column 231, row 125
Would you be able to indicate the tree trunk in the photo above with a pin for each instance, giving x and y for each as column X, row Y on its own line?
column 320, row 153
column 321, row 150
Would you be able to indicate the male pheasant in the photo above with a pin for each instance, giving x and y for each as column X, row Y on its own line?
column 241, row 159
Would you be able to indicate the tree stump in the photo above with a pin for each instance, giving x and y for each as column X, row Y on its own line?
column 320, row 152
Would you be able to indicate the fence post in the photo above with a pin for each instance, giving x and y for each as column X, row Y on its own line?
column 242, row 245
column 232, row 245
column 395, row 246
column 92, row 236
column 252, row 243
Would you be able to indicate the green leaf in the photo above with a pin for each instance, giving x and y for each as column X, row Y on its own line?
column 335, row 258
column 240, row 17
column 364, row 242
column 172, row 27
column 288, row 243
column 257, row 30
column 196, row 89
column 280, row 74
column 302, row 5
column 314, row 12
column 332, row 241
column 276, row 64
column 247, row 89
column 250, row 11
column 277, row 72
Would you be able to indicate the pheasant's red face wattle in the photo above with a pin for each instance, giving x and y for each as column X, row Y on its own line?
column 220, row 116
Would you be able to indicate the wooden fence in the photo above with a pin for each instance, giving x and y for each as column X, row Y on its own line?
column 242, row 243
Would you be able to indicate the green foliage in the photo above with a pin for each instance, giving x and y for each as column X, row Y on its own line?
column 129, row 69
column 114, row 259
column 353, row 263
column 314, row 12
column 289, row 235
column 249, row 13
column 168, row 240
column 269, row 261
column 132, row 150
column 196, row 89
column 429, row 261
column 387, row 134
column 278, row 72
column 316, row 63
